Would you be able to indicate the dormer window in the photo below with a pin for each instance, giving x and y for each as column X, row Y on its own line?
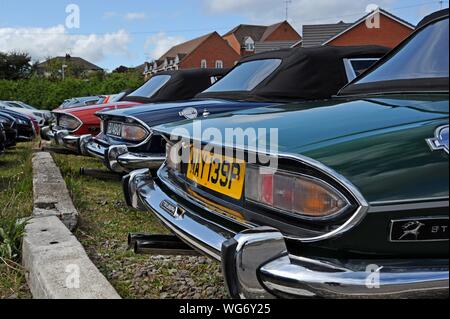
column 204, row 64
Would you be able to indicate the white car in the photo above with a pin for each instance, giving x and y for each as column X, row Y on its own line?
column 41, row 116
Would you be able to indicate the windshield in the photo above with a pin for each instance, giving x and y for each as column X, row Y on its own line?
column 246, row 76
column 425, row 56
column 152, row 86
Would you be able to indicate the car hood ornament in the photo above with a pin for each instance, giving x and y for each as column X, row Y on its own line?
column 190, row 113
column 440, row 141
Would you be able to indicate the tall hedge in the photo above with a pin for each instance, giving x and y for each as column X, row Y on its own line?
column 48, row 94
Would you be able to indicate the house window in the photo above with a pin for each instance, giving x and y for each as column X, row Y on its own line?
column 219, row 64
column 204, row 64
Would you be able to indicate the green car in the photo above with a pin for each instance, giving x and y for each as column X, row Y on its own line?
column 335, row 199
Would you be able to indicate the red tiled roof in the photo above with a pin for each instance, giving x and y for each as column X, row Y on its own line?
column 185, row 48
column 259, row 33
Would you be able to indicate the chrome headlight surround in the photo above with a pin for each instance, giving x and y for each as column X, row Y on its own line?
column 134, row 132
column 69, row 122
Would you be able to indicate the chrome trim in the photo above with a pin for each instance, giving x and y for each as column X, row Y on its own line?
column 136, row 161
column 251, row 249
column 304, row 278
column 95, row 150
column 69, row 129
column 59, row 135
column 409, row 201
column 247, row 271
column 432, row 141
column 414, row 219
column 47, row 133
column 409, row 206
column 133, row 181
column 72, row 142
column 120, row 160
column 200, row 234
column 354, row 220
column 84, row 140
column 112, row 155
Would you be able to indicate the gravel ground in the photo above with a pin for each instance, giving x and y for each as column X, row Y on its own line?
column 183, row 274
column 164, row 277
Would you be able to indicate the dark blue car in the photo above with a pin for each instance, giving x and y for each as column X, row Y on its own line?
column 127, row 142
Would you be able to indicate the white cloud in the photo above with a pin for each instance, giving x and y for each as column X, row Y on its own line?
column 41, row 43
column 135, row 16
column 300, row 11
column 130, row 16
column 158, row 44
column 110, row 14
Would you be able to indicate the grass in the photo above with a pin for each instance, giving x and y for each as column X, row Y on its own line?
column 104, row 225
column 16, row 203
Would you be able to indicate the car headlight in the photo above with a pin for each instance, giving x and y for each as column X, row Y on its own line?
column 38, row 114
column 293, row 193
column 133, row 133
column 69, row 122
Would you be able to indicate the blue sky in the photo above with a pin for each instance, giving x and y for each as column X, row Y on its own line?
column 117, row 32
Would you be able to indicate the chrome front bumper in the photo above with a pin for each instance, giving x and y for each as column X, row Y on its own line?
column 76, row 144
column 118, row 159
column 48, row 133
column 51, row 133
column 256, row 262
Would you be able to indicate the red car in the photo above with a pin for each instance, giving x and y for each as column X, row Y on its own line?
column 73, row 125
column 79, row 121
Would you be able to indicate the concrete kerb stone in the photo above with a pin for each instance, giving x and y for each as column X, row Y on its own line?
column 51, row 197
column 56, row 263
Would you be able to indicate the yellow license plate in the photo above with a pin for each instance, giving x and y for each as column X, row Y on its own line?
column 224, row 175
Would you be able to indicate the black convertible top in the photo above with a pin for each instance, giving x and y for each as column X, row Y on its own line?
column 183, row 85
column 304, row 73
column 417, row 84
column 433, row 16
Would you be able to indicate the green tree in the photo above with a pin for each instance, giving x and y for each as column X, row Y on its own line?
column 15, row 65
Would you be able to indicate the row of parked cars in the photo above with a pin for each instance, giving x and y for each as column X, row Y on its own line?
column 19, row 122
column 350, row 198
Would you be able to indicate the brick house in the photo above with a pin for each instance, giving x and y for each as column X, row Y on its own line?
column 377, row 28
column 250, row 39
column 208, row 51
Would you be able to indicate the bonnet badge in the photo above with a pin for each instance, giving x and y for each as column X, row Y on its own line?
column 190, row 113
column 440, row 141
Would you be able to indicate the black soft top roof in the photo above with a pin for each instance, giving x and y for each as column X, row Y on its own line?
column 400, row 86
column 304, row 74
column 183, row 85
column 432, row 17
